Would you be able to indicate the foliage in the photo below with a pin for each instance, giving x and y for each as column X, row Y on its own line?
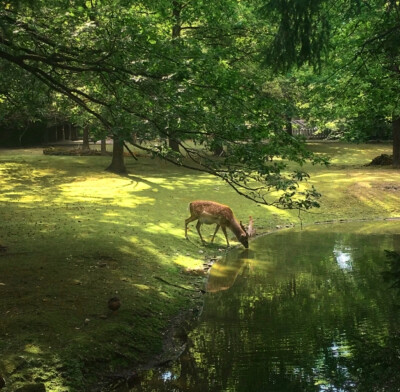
column 166, row 71
column 302, row 32
column 356, row 94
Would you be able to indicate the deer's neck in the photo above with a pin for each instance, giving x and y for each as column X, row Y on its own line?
column 236, row 229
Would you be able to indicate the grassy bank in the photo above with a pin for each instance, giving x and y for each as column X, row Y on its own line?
column 76, row 235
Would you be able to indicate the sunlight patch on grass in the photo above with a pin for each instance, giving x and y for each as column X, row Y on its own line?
column 107, row 191
column 278, row 212
column 164, row 227
column 30, row 198
column 128, row 201
column 142, row 286
column 117, row 233
column 188, row 261
column 33, row 349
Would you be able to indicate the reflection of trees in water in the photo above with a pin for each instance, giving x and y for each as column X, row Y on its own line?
column 291, row 317
column 392, row 273
column 300, row 319
column 376, row 366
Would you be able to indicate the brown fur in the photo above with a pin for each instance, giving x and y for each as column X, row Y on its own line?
column 210, row 212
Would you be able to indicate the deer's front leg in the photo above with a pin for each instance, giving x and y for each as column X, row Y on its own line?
column 226, row 235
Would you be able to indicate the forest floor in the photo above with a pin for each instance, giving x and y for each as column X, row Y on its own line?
column 73, row 235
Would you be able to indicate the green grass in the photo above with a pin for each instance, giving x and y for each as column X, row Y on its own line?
column 77, row 235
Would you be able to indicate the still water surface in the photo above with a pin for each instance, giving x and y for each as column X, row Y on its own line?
column 299, row 311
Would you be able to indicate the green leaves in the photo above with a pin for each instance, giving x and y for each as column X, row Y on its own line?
column 174, row 73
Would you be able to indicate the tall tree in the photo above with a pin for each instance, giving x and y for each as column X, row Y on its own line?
column 120, row 64
column 357, row 45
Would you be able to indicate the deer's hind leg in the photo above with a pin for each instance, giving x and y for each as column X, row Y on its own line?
column 215, row 232
column 187, row 221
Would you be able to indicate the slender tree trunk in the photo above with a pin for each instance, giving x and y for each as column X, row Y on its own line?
column 173, row 142
column 62, row 132
column 396, row 142
column 74, row 132
column 55, row 133
column 67, row 130
column 289, row 125
column 46, row 134
column 103, row 147
column 85, row 145
column 117, row 164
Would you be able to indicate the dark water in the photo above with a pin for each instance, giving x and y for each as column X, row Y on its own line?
column 299, row 311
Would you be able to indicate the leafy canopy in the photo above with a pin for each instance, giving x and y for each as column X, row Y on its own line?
column 168, row 70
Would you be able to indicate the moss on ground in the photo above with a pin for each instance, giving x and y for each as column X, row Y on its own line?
column 76, row 235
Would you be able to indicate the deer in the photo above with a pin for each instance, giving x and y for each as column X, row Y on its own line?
column 210, row 212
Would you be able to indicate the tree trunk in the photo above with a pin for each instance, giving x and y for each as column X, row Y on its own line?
column 289, row 125
column 74, row 133
column 103, row 147
column 173, row 144
column 219, row 150
column 117, row 164
column 67, row 130
column 396, row 142
column 85, row 145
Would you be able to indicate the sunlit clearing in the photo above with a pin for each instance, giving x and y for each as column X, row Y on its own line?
column 188, row 261
column 30, row 199
column 32, row 349
column 163, row 228
column 110, row 189
column 142, row 286
column 279, row 212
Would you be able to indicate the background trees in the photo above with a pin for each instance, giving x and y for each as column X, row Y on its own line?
column 168, row 70
column 354, row 45
column 203, row 77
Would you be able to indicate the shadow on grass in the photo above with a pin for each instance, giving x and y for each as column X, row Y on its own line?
column 76, row 237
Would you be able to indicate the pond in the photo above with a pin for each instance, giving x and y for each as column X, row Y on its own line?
column 301, row 310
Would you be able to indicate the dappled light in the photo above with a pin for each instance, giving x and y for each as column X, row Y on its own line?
column 350, row 154
column 298, row 320
column 115, row 116
column 76, row 236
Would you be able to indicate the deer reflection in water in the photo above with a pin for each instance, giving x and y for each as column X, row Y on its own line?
column 223, row 273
